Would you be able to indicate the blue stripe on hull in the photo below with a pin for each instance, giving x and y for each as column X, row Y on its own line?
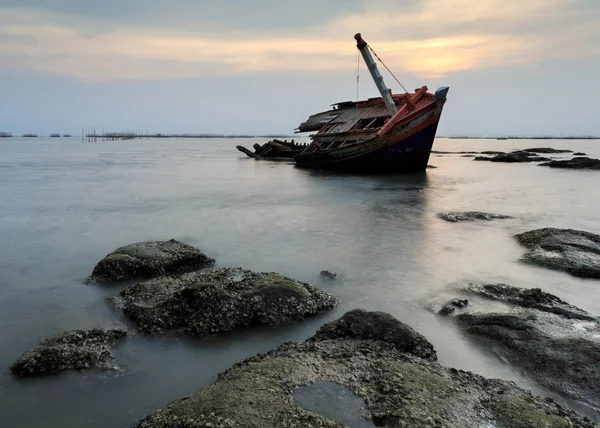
column 409, row 155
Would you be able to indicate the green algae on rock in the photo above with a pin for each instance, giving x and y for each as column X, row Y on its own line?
column 149, row 259
column 73, row 350
column 218, row 300
column 399, row 389
column 574, row 251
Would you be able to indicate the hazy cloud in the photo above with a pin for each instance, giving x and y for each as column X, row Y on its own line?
column 105, row 41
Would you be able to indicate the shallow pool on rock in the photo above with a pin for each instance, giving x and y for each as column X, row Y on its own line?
column 333, row 401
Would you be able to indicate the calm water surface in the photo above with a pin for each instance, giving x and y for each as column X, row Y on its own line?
column 65, row 204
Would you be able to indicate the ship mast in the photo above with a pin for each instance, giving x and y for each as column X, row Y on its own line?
column 377, row 77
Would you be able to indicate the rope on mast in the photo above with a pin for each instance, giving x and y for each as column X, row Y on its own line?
column 357, row 75
column 386, row 67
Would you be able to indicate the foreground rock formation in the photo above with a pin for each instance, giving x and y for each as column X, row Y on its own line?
column 73, row 350
column 456, row 216
column 212, row 301
column 149, row 259
column 580, row 162
column 400, row 389
column 556, row 343
column 574, row 251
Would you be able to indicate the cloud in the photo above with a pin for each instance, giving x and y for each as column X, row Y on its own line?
column 431, row 38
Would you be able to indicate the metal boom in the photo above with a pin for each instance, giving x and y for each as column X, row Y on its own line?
column 377, row 77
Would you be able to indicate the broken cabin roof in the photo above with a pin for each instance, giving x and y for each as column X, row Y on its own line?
column 343, row 115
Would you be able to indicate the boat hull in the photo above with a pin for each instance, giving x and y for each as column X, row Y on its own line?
column 410, row 154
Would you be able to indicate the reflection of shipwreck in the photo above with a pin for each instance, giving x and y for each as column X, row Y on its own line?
column 274, row 149
column 391, row 133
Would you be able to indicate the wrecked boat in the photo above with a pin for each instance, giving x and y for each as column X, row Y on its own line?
column 389, row 134
column 274, row 149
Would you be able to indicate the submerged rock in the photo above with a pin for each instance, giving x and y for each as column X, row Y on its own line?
column 149, row 259
column 530, row 298
column 328, row 274
column 581, row 162
column 573, row 251
column 398, row 389
column 456, row 216
column 547, row 150
column 212, row 301
column 512, row 157
column 451, row 306
column 579, row 154
column 73, row 350
column 556, row 343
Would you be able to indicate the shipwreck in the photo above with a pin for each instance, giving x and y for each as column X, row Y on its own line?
column 393, row 133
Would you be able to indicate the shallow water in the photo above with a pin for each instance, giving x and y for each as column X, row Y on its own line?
column 66, row 204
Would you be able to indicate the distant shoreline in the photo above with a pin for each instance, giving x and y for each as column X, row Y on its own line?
column 583, row 137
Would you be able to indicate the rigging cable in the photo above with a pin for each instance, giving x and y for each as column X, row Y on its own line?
column 357, row 75
column 386, row 67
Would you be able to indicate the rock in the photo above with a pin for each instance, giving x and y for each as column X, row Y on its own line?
column 212, row 301
column 431, row 166
column 450, row 307
column 530, row 298
column 581, row 162
column 573, row 251
column 328, row 274
column 73, row 350
column 516, row 156
column 548, row 347
column 149, row 259
column 398, row 389
column 362, row 325
column 492, row 152
column 547, row 150
column 468, row 156
column 579, row 154
column 456, row 216
column 556, row 343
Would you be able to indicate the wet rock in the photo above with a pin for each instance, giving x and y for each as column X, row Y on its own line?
column 431, row 167
column 579, row 154
column 363, row 325
column 547, row 150
column 328, row 274
column 73, row 350
column 556, row 343
column 580, row 162
column 451, row 306
column 530, row 298
column 561, row 355
column 492, row 152
column 574, row 251
column 398, row 389
column 467, row 156
column 212, row 301
column 512, row 157
column 149, row 259
column 456, row 216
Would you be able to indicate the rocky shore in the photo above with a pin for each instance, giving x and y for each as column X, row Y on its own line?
column 574, row 251
column 212, row 301
column 73, row 350
column 148, row 259
column 388, row 365
column 556, row 343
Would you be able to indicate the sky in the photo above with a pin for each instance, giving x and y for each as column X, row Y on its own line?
column 518, row 67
